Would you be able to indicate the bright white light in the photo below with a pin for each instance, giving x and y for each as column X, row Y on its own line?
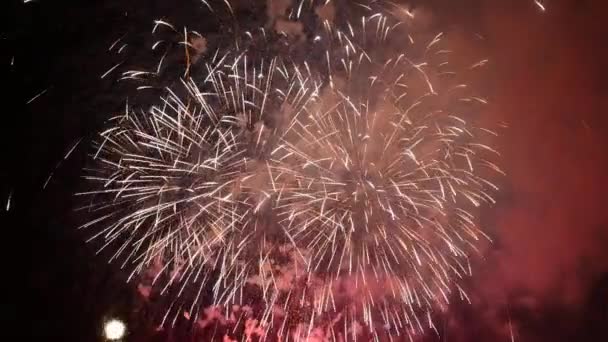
column 114, row 329
column 540, row 5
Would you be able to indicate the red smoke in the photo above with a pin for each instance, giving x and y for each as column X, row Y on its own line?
column 551, row 222
column 552, row 231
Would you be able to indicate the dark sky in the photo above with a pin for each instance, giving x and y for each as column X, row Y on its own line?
column 544, row 279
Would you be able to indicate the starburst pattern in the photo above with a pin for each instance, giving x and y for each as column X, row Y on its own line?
column 342, row 188
column 183, row 183
column 383, row 182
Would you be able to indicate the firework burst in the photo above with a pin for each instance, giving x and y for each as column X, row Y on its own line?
column 381, row 182
column 341, row 188
column 183, row 184
column 383, row 178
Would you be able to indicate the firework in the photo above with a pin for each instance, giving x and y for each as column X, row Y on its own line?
column 383, row 177
column 340, row 187
column 183, row 184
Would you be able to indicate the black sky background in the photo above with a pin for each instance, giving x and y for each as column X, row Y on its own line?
column 58, row 289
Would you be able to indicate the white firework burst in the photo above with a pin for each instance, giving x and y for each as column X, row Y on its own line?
column 341, row 187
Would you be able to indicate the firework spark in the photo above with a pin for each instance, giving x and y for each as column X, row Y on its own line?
column 540, row 5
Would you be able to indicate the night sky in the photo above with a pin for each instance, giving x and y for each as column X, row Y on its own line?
column 545, row 278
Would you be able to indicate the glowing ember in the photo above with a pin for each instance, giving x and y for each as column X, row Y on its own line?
column 114, row 330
